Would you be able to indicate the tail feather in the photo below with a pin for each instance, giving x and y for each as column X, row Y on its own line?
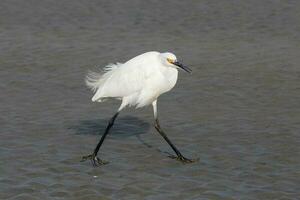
column 95, row 80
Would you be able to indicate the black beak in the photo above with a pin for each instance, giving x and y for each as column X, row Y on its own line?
column 185, row 68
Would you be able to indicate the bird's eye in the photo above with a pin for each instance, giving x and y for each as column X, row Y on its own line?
column 170, row 60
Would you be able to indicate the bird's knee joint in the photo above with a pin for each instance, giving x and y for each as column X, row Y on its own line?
column 156, row 126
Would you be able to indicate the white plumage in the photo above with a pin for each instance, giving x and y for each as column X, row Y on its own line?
column 137, row 82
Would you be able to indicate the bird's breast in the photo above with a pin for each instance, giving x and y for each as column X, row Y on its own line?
column 170, row 76
column 155, row 85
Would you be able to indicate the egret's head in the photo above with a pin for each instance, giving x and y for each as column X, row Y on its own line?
column 170, row 60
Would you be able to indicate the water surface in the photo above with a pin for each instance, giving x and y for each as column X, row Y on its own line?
column 238, row 112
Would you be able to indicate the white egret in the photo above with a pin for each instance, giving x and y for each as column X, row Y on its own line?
column 137, row 82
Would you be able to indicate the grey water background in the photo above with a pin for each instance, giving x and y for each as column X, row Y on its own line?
column 238, row 112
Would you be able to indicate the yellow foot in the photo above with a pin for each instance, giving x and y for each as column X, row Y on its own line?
column 184, row 159
column 94, row 159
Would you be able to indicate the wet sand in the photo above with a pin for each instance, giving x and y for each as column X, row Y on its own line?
column 238, row 112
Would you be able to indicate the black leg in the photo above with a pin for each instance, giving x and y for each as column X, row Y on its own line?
column 179, row 157
column 93, row 157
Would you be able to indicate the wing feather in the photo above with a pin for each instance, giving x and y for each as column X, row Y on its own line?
column 120, row 80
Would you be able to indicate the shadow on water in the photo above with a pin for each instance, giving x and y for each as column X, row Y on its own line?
column 124, row 127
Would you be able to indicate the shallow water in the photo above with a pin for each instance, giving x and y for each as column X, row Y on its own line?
column 238, row 112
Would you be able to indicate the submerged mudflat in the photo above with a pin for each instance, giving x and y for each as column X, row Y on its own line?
column 238, row 111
